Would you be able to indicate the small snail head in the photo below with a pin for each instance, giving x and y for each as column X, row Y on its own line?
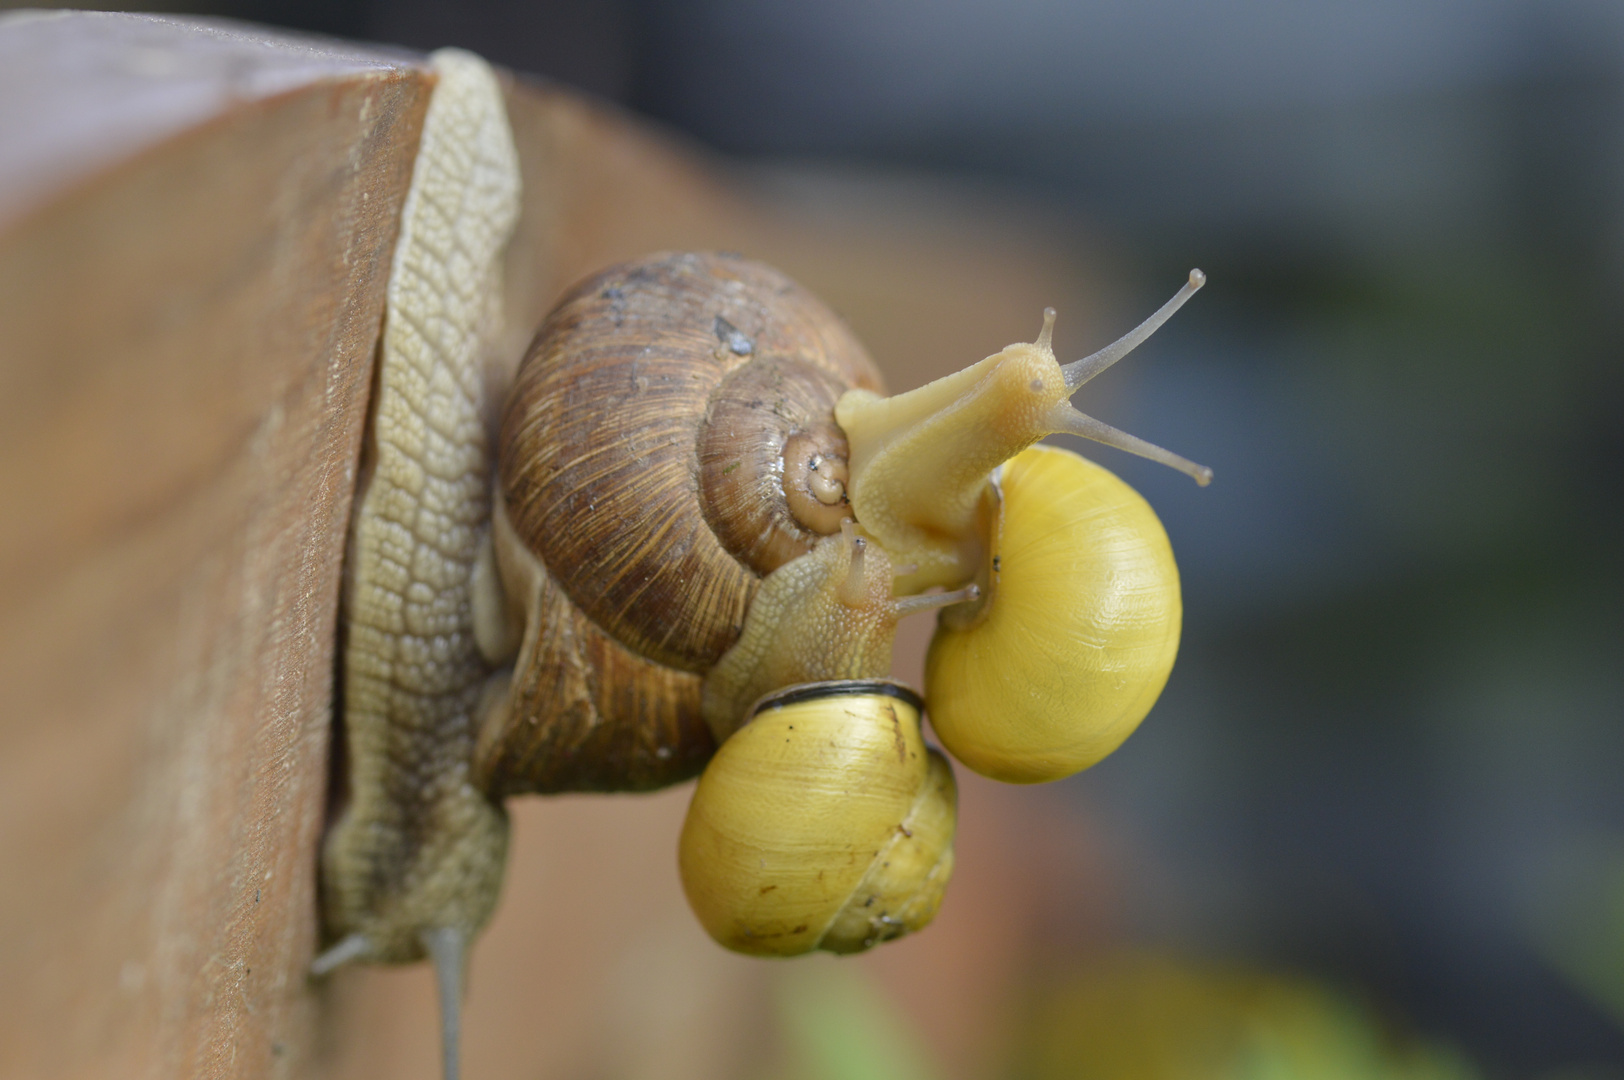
column 1077, row 625
column 920, row 461
column 826, row 616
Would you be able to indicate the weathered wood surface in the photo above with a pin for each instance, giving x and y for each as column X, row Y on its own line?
column 192, row 261
column 188, row 319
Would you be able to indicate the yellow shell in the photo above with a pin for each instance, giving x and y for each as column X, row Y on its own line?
column 1077, row 635
column 823, row 823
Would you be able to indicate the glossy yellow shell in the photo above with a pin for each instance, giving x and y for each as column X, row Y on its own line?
column 824, row 823
column 1077, row 635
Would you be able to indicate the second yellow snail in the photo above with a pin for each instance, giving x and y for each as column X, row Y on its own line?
column 825, row 822
column 1077, row 623
column 1078, row 632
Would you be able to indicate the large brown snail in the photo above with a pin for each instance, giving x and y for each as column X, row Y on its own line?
column 706, row 521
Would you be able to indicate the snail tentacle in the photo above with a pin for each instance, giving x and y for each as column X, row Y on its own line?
column 1080, row 371
column 1072, row 422
column 912, row 605
column 352, row 947
column 447, row 947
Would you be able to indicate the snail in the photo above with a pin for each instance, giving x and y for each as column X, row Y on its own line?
column 703, row 523
column 1009, row 679
column 823, row 823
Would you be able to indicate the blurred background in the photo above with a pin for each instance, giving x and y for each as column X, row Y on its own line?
column 1375, row 827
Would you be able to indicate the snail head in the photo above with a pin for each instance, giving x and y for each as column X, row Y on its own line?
column 920, row 461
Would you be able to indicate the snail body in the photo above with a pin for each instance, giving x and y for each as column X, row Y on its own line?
column 829, row 615
column 423, row 850
column 413, row 863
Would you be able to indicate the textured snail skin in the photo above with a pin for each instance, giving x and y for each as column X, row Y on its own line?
column 823, row 824
column 1078, row 631
column 418, row 847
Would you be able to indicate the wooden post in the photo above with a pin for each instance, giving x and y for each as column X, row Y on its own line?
column 197, row 237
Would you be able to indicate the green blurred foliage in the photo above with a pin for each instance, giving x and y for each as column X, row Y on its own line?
column 835, row 1024
column 1139, row 1017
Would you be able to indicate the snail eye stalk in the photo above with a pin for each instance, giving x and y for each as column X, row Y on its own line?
column 447, row 947
column 853, row 588
column 1069, row 420
column 1072, row 422
column 912, row 605
column 1080, row 371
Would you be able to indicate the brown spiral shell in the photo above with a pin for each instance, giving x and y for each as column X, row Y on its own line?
column 641, row 498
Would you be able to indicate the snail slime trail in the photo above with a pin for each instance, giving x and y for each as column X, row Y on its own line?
column 413, row 864
column 704, row 521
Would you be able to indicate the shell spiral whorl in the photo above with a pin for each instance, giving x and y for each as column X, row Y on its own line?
column 607, row 494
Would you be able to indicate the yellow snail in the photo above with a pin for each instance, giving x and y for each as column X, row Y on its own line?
column 823, row 823
column 701, row 497
column 1026, row 689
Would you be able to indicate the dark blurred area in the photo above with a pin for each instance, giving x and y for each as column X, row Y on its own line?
column 1391, row 754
